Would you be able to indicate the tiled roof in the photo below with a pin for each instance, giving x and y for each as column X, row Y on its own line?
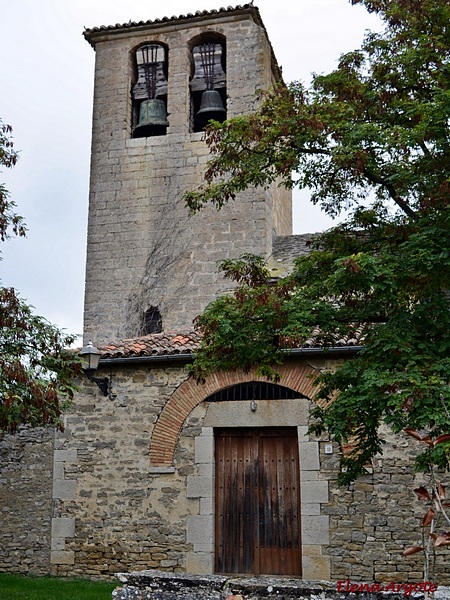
column 184, row 342
column 352, row 338
column 94, row 32
column 156, row 344
column 197, row 15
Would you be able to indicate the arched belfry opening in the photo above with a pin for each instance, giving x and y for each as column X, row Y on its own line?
column 149, row 93
column 208, row 83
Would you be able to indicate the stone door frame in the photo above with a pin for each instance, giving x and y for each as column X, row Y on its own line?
column 314, row 491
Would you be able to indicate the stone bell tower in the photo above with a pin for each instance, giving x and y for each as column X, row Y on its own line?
column 150, row 265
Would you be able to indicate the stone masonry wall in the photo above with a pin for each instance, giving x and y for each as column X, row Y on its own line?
column 113, row 511
column 26, row 469
column 376, row 518
column 128, row 515
column 125, row 513
column 144, row 249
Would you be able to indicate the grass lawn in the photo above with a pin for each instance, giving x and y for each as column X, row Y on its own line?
column 21, row 587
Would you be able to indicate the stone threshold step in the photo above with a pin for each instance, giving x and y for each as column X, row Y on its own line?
column 160, row 585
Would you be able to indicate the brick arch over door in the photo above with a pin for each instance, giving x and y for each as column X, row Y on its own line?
column 189, row 394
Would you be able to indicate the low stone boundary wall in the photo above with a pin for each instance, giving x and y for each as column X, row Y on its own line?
column 26, row 470
column 157, row 585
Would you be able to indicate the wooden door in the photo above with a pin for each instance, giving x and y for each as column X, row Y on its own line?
column 257, row 501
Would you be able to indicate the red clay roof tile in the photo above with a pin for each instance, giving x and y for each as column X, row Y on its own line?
column 155, row 344
column 174, row 343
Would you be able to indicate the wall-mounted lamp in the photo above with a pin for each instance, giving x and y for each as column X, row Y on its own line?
column 91, row 356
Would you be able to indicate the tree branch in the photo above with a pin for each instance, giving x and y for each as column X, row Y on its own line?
column 392, row 193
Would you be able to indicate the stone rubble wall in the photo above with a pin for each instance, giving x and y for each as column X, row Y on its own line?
column 115, row 512
column 129, row 515
column 125, row 514
column 376, row 518
column 26, row 471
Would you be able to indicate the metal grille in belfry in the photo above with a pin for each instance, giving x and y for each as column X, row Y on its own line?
column 149, row 56
column 207, row 53
column 254, row 390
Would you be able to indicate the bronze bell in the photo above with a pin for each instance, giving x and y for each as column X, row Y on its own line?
column 211, row 106
column 152, row 118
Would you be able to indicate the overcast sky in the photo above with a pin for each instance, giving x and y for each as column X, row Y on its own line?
column 46, row 83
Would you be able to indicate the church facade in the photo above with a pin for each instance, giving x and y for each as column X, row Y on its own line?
column 157, row 471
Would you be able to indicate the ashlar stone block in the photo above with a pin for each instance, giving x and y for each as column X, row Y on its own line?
column 315, row 529
column 309, row 456
column 199, row 487
column 204, row 449
column 64, row 489
column 199, row 562
column 63, row 527
column 314, row 492
column 316, row 568
column 62, row 557
column 199, row 529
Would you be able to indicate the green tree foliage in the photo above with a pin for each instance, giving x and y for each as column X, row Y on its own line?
column 9, row 220
column 372, row 136
column 36, row 367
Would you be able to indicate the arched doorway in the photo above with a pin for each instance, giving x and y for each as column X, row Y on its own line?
column 220, row 407
column 257, row 489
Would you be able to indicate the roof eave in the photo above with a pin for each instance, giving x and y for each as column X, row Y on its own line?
column 99, row 34
column 152, row 358
column 185, row 358
column 94, row 34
